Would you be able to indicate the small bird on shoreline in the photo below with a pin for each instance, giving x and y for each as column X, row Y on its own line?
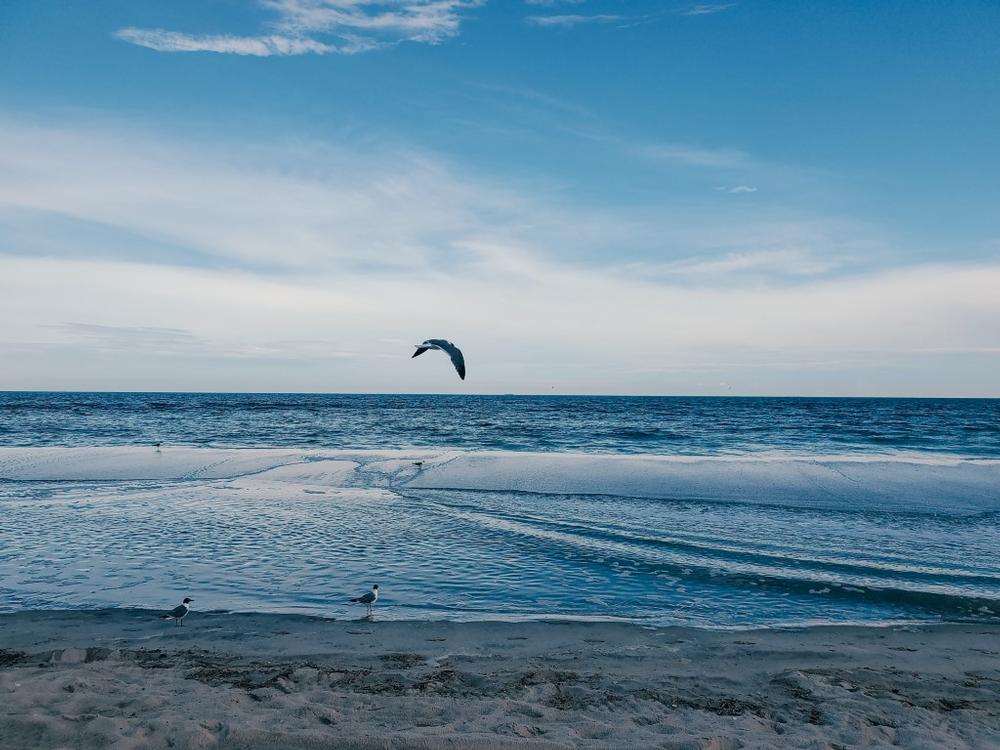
column 157, row 446
column 178, row 613
column 445, row 346
column 368, row 599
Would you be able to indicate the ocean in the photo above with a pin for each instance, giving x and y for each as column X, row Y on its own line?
column 714, row 512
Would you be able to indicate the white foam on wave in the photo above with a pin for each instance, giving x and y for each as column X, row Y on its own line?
column 131, row 463
column 883, row 481
column 137, row 463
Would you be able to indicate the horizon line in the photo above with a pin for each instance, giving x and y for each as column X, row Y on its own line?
column 494, row 395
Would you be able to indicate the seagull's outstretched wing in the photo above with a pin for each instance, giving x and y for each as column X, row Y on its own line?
column 454, row 352
column 420, row 350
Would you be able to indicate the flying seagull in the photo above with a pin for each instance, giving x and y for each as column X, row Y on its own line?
column 445, row 346
column 369, row 599
column 179, row 612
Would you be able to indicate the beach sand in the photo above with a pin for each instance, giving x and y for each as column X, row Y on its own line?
column 124, row 679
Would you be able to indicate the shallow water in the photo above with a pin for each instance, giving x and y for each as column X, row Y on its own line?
column 789, row 542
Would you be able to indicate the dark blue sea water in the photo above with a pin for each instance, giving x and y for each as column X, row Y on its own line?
column 606, row 424
column 893, row 512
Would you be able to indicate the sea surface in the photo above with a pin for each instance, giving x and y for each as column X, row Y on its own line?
column 589, row 424
column 873, row 510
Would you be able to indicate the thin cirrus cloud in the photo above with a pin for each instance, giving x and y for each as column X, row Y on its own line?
column 769, row 263
column 238, row 206
column 708, row 9
column 720, row 158
column 571, row 20
column 321, row 27
column 175, row 342
column 702, row 9
column 238, row 209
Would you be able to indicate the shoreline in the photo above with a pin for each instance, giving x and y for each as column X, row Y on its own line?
column 385, row 615
column 122, row 678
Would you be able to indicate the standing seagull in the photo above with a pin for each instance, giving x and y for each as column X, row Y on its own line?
column 179, row 612
column 445, row 346
column 370, row 598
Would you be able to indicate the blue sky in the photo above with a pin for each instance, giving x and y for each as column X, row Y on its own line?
column 601, row 196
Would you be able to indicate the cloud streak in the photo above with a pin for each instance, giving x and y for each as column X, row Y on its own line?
column 708, row 9
column 698, row 157
column 255, row 46
column 572, row 20
column 321, row 27
column 782, row 262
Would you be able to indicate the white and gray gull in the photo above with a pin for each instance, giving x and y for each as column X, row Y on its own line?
column 445, row 346
column 368, row 599
column 179, row 612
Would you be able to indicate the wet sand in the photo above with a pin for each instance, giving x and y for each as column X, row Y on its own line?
column 124, row 679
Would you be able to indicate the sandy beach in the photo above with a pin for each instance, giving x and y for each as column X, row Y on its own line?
column 124, row 679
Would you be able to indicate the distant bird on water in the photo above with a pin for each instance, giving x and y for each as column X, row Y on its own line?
column 445, row 346
column 368, row 599
column 179, row 612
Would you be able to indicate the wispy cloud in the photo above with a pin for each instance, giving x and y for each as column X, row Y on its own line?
column 123, row 338
column 708, row 9
column 571, row 20
column 532, row 110
column 568, row 21
column 177, row 342
column 768, row 263
column 256, row 46
column 321, row 27
column 695, row 156
column 241, row 208
column 736, row 189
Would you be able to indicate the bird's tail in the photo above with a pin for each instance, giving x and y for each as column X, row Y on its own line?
column 356, row 599
column 166, row 617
